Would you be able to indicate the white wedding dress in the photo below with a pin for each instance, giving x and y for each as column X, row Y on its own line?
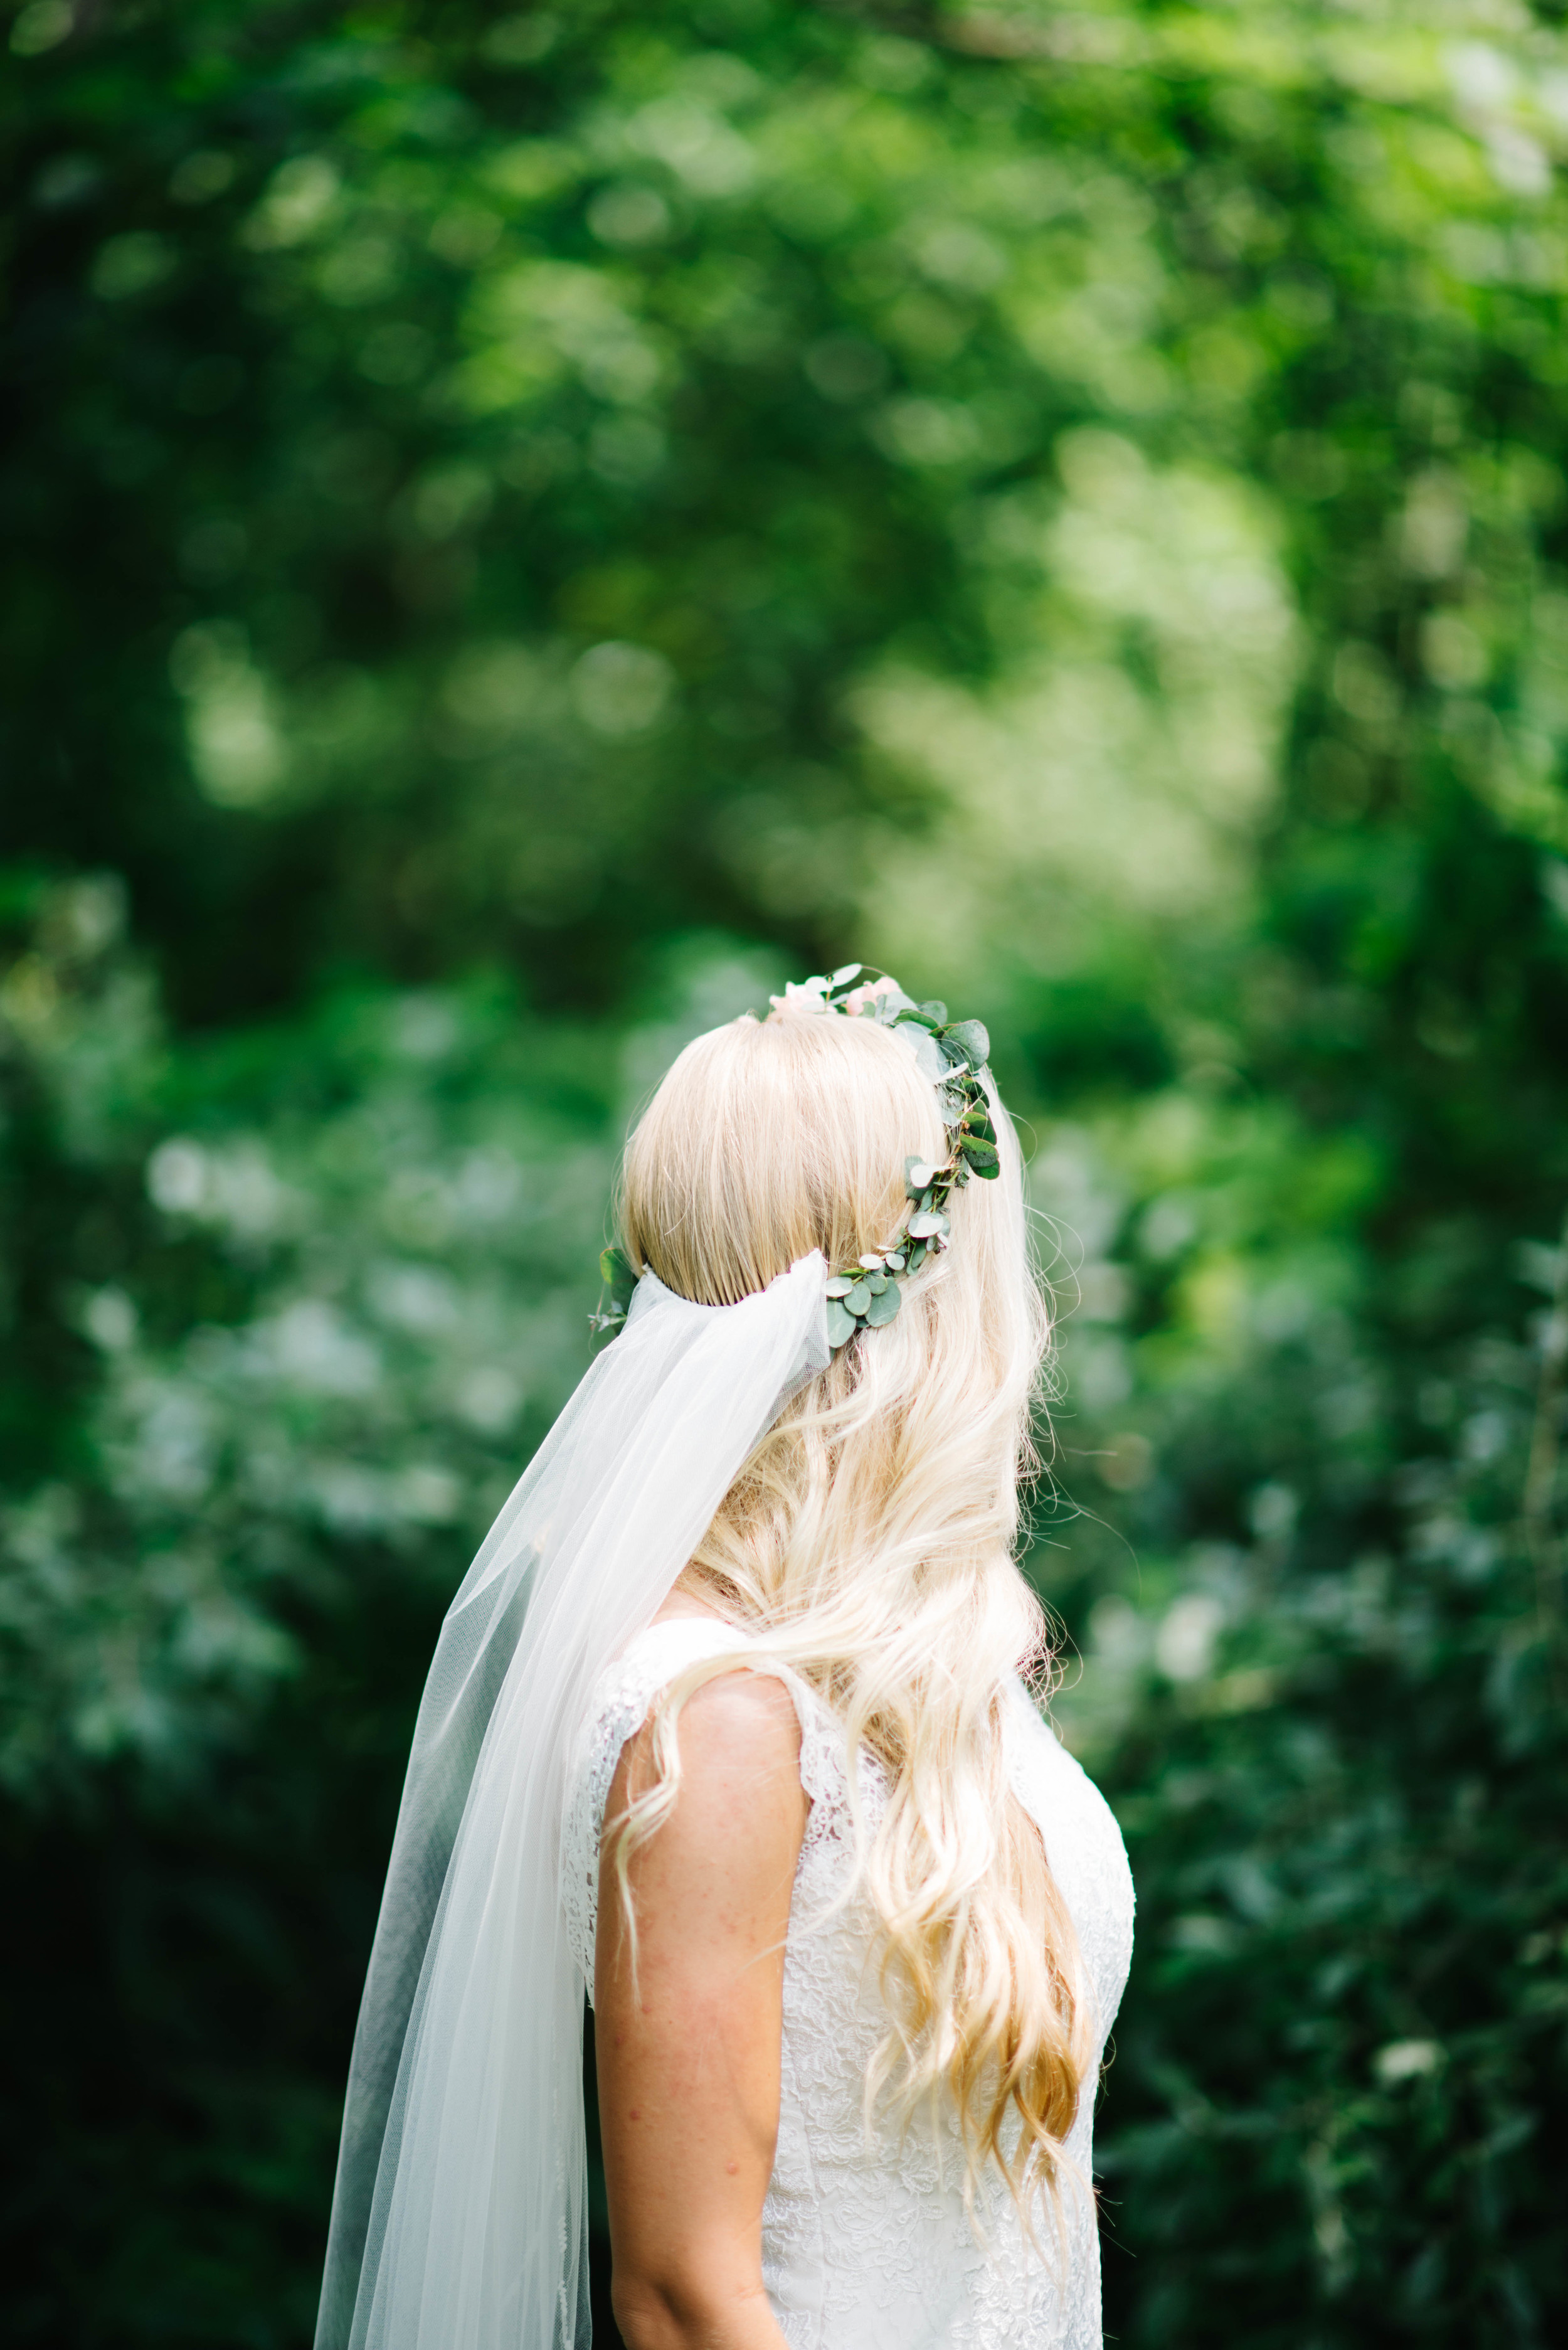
column 865, row 2242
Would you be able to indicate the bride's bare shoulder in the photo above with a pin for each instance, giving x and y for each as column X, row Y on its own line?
column 740, row 1721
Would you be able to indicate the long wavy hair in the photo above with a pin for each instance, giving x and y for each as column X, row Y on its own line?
column 868, row 1542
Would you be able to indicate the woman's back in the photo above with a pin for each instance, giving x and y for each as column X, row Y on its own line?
column 867, row 2244
column 817, row 1415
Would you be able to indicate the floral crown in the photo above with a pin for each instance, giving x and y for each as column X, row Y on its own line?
column 953, row 1054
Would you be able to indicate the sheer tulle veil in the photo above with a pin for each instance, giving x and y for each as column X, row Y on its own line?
column 459, row 2221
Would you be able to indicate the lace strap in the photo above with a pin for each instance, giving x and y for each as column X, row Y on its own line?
column 622, row 1702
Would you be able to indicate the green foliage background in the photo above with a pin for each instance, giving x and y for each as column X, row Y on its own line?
column 523, row 530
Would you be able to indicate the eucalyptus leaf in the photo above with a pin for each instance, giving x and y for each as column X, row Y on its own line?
column 845, row 972
column 840, row 1324
column 972, row 1039
column 883, row 1307
column 840, row 1285
column 876, row 1283
column 935, row 1013
column 871, row 1262
column 928, row 1055
column 858, row 1299
column 918, row 1175
column 926, row 1226
column 618, row 1274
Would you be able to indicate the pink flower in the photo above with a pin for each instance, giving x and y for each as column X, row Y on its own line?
column 863, row 998
column 802, row 995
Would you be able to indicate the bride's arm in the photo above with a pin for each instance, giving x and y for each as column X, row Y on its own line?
column 689, row 2060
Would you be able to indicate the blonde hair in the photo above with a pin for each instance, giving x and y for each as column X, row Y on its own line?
column 868, row 1542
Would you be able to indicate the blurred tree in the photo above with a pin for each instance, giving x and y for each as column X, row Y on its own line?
column 1065, row 500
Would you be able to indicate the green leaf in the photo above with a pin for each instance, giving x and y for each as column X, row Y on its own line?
column 845, row 972
column 618, row 1274
column 927, row 1224
column 840, row 1324
column 840, row 1285
column 983, row 1157
column 972, row 1039
column 918, row 1176
column 876, row 1283
column 859, row 1298
column 920, row 1018
column 883, row 1307
column 935, row 1014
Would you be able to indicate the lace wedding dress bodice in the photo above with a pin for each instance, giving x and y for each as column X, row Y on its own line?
column 865, row 2242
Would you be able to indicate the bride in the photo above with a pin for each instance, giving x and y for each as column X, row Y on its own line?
column 726, row 1727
